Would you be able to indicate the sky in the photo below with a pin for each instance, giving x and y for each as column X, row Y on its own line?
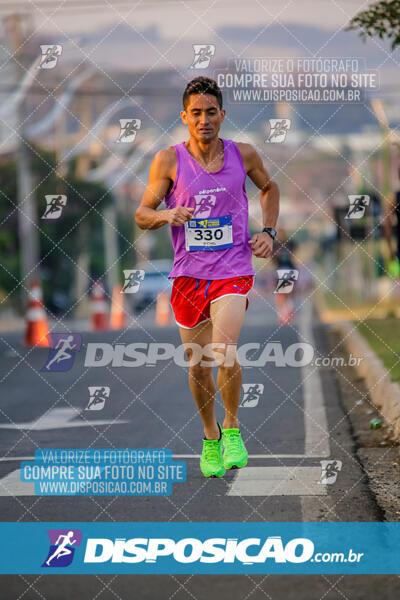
column 179, row 18
column 129, row 34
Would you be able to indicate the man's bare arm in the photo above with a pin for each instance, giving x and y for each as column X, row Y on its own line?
column 147, row 216
column 269, row 191
column 160, row 182
column 269, row 198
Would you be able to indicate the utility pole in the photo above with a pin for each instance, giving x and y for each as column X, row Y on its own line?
column 111, row 245
column 83, row 260
column 27, row 212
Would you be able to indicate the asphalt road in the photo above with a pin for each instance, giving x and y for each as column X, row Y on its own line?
column 298, row 421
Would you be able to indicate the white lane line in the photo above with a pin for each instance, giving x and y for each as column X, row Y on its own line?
column 252, row 481
column 260, row 456
column 15, row 458
column 278, row 481
column 11, row 485
column 189, row 456
column 315, row 422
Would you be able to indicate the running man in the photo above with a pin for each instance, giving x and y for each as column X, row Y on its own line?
column 283, row 255
column 212, row 270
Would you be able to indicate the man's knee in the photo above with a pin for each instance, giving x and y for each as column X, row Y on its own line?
column 225, row 354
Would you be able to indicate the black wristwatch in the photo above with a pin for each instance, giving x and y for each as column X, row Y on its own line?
column 271, row 231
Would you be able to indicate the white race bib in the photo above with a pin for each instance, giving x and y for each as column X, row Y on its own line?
column 209, row 234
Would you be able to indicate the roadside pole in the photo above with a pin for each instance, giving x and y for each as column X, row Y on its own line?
column 28, row 233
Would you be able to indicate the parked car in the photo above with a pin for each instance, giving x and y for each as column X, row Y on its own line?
column 155, row 281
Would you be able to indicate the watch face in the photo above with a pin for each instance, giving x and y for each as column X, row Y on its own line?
column 271, row 231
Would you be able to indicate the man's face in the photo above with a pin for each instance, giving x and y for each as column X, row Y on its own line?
column 203, row 116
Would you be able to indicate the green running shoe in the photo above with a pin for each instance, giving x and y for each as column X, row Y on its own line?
column 211, row 462
column 235, row 453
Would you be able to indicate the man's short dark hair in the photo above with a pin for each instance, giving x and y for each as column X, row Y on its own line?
column 202, row 85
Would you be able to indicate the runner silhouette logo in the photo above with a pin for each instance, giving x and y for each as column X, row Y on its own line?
column 204, row 205
column 97, row 397
column 329, row 471
column 277, row 130
column 54, row 206
column 50, row 55
column 251, row 394
column 286, row 280
column 133, row 279
column 357, row 207
column 63, row 543
column 62, row 354
column 128, row 130
column 203, row 54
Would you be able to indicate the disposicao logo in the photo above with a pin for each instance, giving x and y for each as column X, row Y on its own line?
column 62, row 547
column 191, row 550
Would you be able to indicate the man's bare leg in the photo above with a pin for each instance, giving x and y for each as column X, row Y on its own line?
column 200, row 378
column 227, row 315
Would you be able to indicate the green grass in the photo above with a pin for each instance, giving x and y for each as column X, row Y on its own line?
column 383, row 335
column 340, row 300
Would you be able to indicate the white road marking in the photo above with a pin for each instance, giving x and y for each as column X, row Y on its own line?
column 11, row 485
column 251, row 456
column 315, row 422
column 59, row 418
column 251, row 481
column 188, row 456
column 15, row 458
column 278, row 481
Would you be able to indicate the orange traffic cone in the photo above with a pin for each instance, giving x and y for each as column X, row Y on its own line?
column 162, row 309
column 37, row 330
column 117, row 317
column 99, row 307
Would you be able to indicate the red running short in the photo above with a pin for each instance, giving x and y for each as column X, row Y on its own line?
column 191, row 298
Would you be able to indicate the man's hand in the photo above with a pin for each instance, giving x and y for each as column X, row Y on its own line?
column 179, row 215
column 261, row 244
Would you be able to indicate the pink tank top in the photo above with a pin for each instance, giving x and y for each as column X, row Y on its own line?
column 219, row 199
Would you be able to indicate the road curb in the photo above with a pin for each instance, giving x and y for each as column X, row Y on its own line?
column 384, row 393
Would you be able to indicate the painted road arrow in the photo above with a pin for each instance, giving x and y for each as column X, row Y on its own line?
column 60, row 418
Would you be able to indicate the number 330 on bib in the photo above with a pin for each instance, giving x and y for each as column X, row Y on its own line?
column 209, row 234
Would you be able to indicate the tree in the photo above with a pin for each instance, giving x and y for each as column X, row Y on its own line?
column 60, row 242
column 382, row 19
